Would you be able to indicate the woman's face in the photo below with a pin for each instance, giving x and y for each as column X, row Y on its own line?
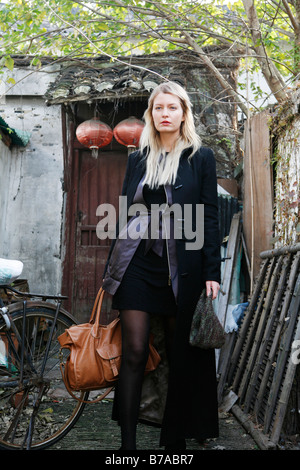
column 167, row 114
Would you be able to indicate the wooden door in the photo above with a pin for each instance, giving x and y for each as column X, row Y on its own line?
column 94, row 181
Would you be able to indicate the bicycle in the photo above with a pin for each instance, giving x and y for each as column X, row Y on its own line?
column 35, row 410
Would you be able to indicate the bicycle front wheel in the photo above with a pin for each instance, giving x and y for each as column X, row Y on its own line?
column 35, row 409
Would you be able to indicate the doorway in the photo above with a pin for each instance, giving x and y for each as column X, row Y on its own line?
column 94, row 181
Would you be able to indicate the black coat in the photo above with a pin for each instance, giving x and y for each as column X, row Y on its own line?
column 191, row 407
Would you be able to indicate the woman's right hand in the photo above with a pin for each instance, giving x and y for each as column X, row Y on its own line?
column 212, row 287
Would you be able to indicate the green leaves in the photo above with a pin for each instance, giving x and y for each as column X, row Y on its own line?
column 28, row 26
column 126, row 27
column 9, row 63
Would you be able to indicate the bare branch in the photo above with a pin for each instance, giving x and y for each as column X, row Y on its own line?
column 100, row 50
column 216, row 72
column 294, row 22
column 270, row 72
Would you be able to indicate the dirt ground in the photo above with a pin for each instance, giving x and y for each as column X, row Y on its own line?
column 96, row 431
column 232, row 436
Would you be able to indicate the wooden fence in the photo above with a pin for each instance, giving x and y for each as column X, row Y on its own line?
column 263, row 356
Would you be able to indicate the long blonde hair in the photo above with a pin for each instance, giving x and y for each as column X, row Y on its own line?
column 161, row 168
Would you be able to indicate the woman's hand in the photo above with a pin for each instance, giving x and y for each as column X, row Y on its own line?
column 212, row 287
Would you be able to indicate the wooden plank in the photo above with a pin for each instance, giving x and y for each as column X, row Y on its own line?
column 252, row 332
column 255, row 359
column 241, row 338
column 234, row 241
column 284, row 351
column 259, row 369
column 232, row 247
column 258, row 188
column 270, row 359
column 291, row 368
column 263, row 442
column 263, row 363
column 225, row 363
column 281, row 251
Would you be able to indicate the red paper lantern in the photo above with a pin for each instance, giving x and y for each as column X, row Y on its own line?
column 128, row 132
column 94, row 134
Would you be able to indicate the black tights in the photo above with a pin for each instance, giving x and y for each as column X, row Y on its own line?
column 135, row 351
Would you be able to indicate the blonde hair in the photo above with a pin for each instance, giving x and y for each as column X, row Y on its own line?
column 161, row 168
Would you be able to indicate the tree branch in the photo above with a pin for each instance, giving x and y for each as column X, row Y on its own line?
column 270, row 72
column 100, row 50
column 294, row 22
column 209, row 64
column 205, row 59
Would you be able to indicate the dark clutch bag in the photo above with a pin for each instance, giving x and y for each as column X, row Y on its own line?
column 206, row 329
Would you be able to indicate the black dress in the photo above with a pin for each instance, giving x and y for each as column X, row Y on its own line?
column 145, row 285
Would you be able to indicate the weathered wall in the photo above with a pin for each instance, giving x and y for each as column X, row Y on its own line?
column 31, row 191
column 286, row 128
column 5, row 156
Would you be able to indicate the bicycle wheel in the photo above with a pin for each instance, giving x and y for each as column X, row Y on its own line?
column 35, row 409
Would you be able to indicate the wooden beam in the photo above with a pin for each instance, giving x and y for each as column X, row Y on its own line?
column 258, row 189
column 234, row 242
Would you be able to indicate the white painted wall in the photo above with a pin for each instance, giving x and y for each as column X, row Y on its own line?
column 31, row 192
column 5, row 161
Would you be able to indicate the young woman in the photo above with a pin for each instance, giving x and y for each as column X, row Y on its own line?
column 166, row 274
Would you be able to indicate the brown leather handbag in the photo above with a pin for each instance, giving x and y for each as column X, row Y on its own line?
column 95, row 353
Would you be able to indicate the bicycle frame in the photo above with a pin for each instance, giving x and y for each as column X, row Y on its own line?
column 29, row 295
column 10, row 327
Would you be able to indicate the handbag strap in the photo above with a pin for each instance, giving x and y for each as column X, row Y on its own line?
column 96, row 312
column 98, row 301
column 95, row 318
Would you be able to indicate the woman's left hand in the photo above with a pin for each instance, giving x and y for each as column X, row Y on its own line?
column 212, row 287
